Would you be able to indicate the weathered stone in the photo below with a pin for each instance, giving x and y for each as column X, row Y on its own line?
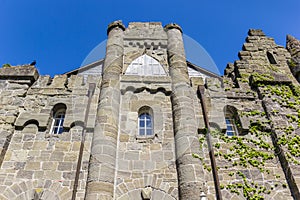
column 118, row 159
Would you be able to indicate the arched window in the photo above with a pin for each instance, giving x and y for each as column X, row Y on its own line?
column 145, row 121
column 58, row 117
column 145, row 66
column 230, row 114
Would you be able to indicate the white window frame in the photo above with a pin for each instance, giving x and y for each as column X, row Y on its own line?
column 145, row 66
column 57, row 125
column 145, row 124
column 231, row 129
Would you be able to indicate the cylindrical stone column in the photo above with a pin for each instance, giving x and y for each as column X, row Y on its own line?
column 185, row 125
column 100, row 184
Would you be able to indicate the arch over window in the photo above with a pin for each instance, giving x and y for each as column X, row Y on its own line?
column 145, row 66
column 231, row 121
column 58, row 117
column 145, row 121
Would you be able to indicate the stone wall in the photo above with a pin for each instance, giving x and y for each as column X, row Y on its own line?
column 101, row 146
column 146, row 161
column 37, row 164
column 264, row 96
column 145, row 38
column 293, row 46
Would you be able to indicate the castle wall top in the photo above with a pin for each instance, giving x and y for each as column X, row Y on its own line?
column 145, row 30
column 26, row 72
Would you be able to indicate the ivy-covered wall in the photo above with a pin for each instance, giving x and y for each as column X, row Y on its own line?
column 263, row 161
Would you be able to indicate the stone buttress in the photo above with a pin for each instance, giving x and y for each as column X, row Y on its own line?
column 103, row 153
column 185, row 126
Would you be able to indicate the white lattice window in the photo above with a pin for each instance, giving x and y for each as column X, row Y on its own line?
column 231, row 128
column 145, row 66
column 57, row 126
column 145, row 124
column 145, row 121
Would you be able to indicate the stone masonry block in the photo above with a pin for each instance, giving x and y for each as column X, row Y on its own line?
column 19, row 72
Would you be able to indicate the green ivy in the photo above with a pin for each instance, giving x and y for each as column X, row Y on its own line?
column 292, row 63
column 258, row 77
column 6, row 65
column 288, row 96
column 254, row 152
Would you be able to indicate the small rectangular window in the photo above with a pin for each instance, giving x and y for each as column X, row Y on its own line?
column 145, row 124
column 58, row 122
column 231, row 128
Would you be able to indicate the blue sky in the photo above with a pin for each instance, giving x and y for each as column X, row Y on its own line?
column 60, row 34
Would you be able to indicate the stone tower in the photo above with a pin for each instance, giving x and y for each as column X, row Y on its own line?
column 132, row 127
column 126, row 161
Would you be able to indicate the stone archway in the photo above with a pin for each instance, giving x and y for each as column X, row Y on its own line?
column 29, row 190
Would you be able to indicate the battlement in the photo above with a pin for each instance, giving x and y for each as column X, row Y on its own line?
column 149, row 30
column 63, row 83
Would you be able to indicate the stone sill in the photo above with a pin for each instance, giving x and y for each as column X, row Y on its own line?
column 144, row 139
column 145, row 79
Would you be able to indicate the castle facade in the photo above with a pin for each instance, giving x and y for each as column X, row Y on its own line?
column 145, row 124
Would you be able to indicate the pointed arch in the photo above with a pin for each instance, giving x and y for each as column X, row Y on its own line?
column 145, row 66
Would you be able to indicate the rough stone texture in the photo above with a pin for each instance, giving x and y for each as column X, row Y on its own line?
column 293, row 46
column 103, row 156
column 259, row 91
column 31, row 156
column 255, row 88
column 185, row 124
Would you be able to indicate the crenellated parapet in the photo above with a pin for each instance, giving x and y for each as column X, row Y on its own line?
column 261, row 55
column 64, row 83
column 45, row 93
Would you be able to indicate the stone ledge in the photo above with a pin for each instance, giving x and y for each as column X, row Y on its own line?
column 27, row 118
column 146, row 79
column 27, row 72
column 270, row 78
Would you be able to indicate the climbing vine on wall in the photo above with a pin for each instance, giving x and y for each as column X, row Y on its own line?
column 250, row 152
column 256, row 149
column 242, row 153
column 288, row 97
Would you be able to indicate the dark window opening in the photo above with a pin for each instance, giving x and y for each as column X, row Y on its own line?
column 271, row 58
